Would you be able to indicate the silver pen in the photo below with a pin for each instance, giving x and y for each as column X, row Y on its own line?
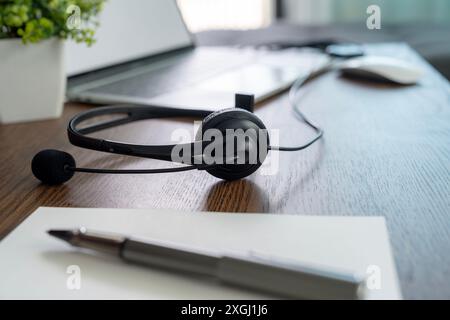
column 282, row 279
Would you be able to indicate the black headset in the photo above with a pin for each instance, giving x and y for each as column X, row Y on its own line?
column 54, row 167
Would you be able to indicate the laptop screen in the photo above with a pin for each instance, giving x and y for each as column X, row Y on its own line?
column 130, row 29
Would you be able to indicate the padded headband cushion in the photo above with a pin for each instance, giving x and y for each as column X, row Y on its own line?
column 234, row 118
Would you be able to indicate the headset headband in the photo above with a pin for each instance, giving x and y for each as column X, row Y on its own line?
column 131, row 113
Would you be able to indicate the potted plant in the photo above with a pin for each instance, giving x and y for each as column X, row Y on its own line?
column 32, row 70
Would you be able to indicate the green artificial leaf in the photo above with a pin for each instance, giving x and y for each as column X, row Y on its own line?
column 36, row 20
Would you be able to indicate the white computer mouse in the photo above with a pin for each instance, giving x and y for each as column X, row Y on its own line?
column 383, row 68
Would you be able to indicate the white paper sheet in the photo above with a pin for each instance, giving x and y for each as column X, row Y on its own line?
column 34, row 265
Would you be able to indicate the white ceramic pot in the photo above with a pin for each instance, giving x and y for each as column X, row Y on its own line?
column 32, row 80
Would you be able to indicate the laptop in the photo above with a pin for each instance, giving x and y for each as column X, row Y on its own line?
column 145, row 54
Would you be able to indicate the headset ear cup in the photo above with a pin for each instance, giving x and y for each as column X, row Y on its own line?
column 253, row 147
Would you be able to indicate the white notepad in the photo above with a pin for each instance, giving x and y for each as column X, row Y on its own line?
column 35, row 266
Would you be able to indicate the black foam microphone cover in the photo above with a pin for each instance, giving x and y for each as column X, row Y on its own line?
column 50, row 166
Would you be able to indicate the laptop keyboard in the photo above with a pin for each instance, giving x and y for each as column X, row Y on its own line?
column 149, row 81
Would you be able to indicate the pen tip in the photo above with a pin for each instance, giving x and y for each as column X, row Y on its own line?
column 61, row 234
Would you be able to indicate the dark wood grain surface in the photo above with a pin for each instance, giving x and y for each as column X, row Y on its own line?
column 385, row 152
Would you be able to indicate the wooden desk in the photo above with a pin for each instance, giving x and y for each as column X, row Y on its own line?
column 385, row 152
